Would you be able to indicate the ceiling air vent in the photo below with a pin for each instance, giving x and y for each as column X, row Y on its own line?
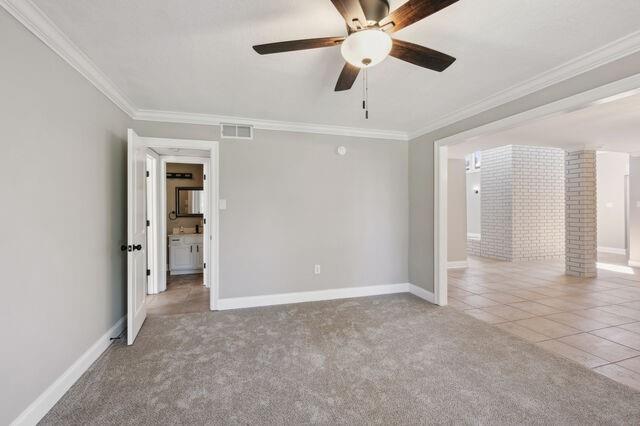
column 236, row 131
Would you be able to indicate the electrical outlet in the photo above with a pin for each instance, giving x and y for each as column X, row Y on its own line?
column 316, row 269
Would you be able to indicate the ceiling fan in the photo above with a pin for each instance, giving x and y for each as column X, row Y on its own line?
column 368, row 41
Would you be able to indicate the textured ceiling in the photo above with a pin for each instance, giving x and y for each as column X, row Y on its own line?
column 610, row 126
column 195, row 56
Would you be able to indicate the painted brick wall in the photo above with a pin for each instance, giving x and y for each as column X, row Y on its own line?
column 523, row 199
column 581, row 214
column 474, row 247
column 495, row 203
column 538, row 203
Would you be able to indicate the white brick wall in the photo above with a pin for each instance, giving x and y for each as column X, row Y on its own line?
column 474, row 247
column 522, row 199
column 538, row 203
column 581, row 214
column 495, row 202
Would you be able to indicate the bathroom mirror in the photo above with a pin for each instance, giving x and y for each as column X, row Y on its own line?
column 189, row 201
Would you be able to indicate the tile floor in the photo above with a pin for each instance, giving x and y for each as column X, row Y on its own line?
column 595, row 322
column 185, row 294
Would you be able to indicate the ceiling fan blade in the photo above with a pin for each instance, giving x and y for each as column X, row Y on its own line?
column 347, row 77
column 351, row 10
column 289, row 46
column 421, row 56
column 411, row 12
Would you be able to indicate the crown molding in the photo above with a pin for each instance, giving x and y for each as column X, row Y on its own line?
column 611, row 52
column 29, row 15
column 214, row 120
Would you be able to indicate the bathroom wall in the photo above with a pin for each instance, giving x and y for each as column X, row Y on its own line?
column 172, row 184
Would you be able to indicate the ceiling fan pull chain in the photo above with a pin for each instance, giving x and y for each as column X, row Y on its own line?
column 366, row 93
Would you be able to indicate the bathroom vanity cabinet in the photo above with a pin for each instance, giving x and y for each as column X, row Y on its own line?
column 186, row 254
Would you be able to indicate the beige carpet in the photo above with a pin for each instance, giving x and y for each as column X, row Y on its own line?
column 383, row 360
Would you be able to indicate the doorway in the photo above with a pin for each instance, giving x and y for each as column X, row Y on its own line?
column 148, row 241
column 184, row 288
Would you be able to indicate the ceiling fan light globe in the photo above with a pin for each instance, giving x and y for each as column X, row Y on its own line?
column 366, row 48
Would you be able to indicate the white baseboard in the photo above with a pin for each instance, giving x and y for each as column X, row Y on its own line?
column 634, row 263
column 612, row 250
column 459, row 264
column 47, row 399
column 310, row 296
column 422, row 293
column 472, row 236
column 320, row 295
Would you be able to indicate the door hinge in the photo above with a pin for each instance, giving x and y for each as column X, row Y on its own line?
column 148, row 223
column 147, row 173
column 205, row 266
column 148, row 272
column 204, row 177
column 204, row 221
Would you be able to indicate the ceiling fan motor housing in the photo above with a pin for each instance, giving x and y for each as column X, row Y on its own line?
column 375, row 10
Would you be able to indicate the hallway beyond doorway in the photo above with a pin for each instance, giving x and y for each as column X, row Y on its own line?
column 185, row 294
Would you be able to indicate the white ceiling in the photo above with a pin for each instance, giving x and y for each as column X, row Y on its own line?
column 610, row 125
column 196, row 56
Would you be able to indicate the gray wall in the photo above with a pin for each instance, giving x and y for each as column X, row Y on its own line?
column 421, row 169
column 63, row 190
column 634, row 209
column 292, row 202
column 612, row 169
column 473, row 202
column 421, row 214
column 456, row 211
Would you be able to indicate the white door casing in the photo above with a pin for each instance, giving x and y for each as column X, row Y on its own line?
column 136, row 235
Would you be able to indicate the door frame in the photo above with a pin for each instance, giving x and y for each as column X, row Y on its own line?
column 606, row 93
column 164, row 213
column 153, row 230
column 211, row 237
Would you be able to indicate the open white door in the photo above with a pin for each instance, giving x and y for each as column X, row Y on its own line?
column 136, row 236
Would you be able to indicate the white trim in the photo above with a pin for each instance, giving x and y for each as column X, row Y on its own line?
column 459, row 264
column 613, row 51
column 627, row 86
column 216, row 120
column 440, row 221
column 47, row 399
column 310, row 296
column 473, row 236
column 36, row 21
column 187, row 272
column 422, row 293
column 634, row 263
column 615, row 90
column 612, row 250
column 212, row 188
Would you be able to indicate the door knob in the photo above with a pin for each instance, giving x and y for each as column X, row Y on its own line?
column 137, row 247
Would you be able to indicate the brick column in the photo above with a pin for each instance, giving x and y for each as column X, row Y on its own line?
column 580, row 214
